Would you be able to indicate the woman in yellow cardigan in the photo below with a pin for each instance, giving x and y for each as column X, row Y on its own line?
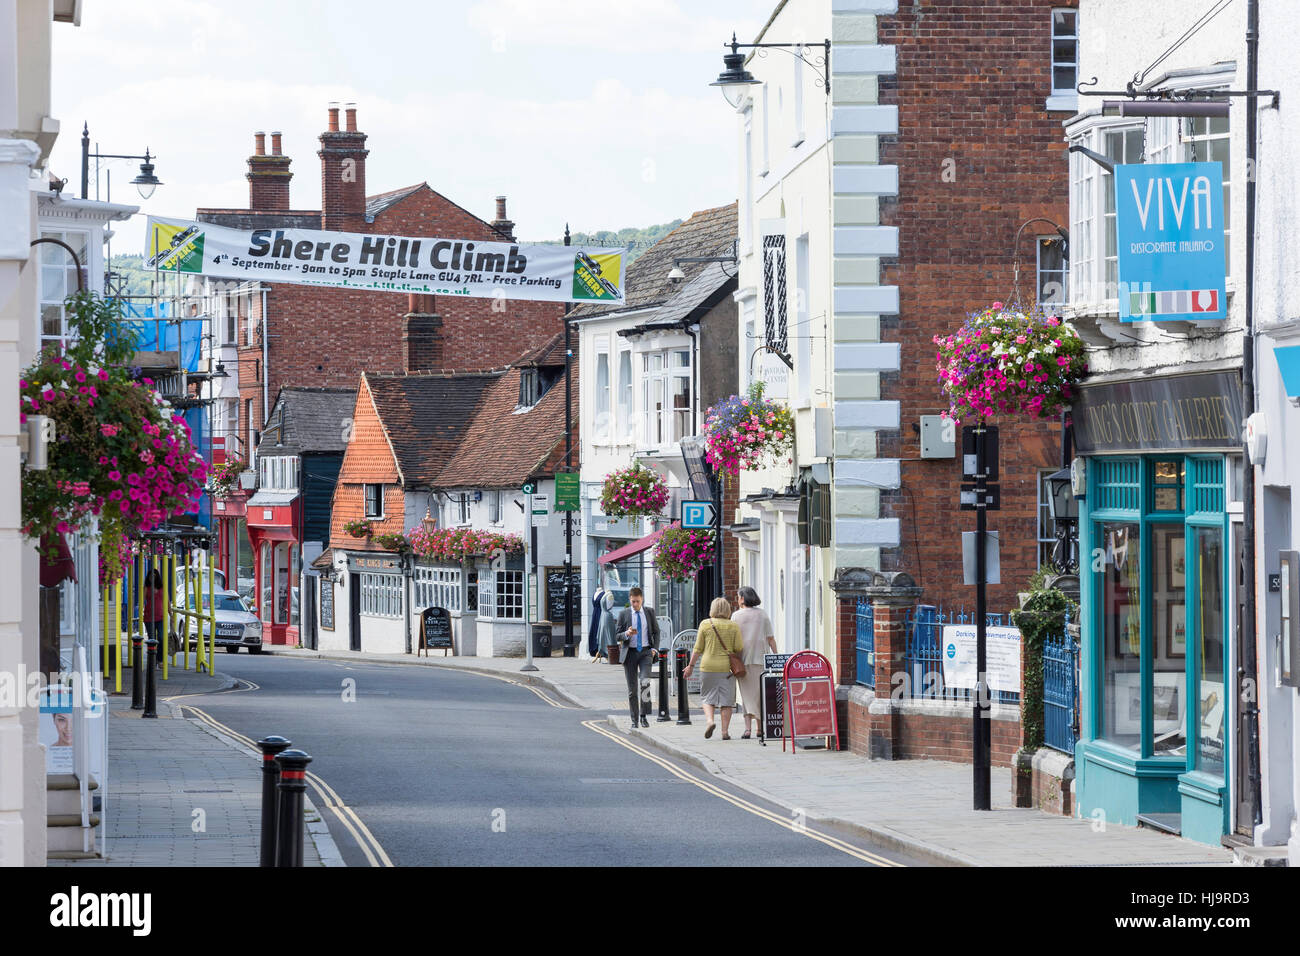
column 716, row 637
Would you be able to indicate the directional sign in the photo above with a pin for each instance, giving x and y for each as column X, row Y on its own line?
column 698, row 514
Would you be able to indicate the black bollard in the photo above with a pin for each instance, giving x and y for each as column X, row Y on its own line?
column 291, row 825
column 683, row 699
column 137, row 685
column 270, row 746
column 150, row 688
column 664, row 664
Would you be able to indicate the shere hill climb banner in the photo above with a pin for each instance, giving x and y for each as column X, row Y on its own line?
column 508, row 270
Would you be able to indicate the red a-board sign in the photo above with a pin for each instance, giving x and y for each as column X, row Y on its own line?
column 810, row 696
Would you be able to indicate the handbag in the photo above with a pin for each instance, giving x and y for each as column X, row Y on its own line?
column 733, row 660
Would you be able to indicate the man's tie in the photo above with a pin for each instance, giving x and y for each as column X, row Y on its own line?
column 639, row 627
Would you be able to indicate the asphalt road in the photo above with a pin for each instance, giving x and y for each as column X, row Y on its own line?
column 448, row 768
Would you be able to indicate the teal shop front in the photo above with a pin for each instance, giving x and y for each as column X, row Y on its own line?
column 1160, row 543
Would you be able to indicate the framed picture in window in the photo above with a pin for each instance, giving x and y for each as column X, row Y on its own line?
column 1128, row 630
column 1175, row 567
column 1176, row 630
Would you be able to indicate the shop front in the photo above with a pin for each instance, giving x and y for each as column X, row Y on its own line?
column 273, row 519
column 1160, row 544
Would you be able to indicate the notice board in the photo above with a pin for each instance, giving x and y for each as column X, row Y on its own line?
column 555, row 595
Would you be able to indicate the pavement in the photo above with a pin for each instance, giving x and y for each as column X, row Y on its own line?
column 919, row 807
column 182, row 794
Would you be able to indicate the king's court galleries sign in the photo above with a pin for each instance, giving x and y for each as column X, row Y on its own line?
column 459, row 267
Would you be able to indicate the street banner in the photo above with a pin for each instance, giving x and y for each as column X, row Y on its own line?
column 384, row 263
column 1169, row 222
column 1002, row 656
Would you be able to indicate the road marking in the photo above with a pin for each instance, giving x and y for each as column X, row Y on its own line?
column 830, row 841
column 536, row 690
column 329, row 797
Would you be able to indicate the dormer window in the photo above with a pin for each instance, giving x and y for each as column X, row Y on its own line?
column 534, row 383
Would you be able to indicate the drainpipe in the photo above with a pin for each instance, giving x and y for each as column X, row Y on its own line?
column 1247, row 672
column 266, row 371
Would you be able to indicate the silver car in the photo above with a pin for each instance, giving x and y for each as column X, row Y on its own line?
column 237, row 625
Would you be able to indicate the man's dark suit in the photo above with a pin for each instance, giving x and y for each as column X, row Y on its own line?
column 638, row 665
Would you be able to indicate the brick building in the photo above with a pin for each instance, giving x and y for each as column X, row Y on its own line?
column 285, row 336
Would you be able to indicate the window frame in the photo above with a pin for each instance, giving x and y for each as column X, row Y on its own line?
column 54, row 261
column 366, row 491
column 509, row 605
column 1064, row 37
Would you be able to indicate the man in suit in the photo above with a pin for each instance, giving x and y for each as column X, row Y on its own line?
column 638, row 631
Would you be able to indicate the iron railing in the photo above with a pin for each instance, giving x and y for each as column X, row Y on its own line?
column 923, row 660
column 866, row 643
column 1061, row 692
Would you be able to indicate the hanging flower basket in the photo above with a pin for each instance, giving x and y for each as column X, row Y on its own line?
column 1005, row 360
column 392, row 541
column 683, row 552
column 359, row 528
column 119, row 453
column 461, row 544
column 748, row 431
column 634, row 492
column 224, row 478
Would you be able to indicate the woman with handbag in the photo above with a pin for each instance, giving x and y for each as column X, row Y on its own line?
column 718, row 642
column 756, row 632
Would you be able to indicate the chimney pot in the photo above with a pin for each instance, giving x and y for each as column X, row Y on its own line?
column 259, row 141
column 351, row 112
column 334, row 118
column 501, row 207
column 275, row 143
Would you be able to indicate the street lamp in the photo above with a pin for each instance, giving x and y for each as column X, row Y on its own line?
column 1064, row 508
column 146, row 182
column 734, row 73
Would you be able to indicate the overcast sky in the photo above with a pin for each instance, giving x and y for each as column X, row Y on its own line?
column 594, row 112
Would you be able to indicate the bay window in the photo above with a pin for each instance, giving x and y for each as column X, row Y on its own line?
column 666, row 396
column 58, row 281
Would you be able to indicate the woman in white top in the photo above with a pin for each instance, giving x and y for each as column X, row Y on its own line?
column 756, row 632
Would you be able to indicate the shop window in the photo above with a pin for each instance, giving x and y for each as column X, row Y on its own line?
column 381, row 595
column 1211, row 699
column 1167, row 485
column 437, row 587
column 1121, row 632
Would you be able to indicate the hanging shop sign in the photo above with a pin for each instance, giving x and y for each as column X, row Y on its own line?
column 1159, row 414
column 1169, row 222
column 387, row 263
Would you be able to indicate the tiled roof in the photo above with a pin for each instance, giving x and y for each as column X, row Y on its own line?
column 710, row 232
column 314, row 420
column 251, row 219
column 378, row 203
column 549, row 354
column 427, row 416
column 504, row 448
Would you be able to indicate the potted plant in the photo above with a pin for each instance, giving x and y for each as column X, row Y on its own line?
column 747, row 431
column 683, row 552
column 359, row 528
column 1009, row 361
column 634, row 492
column 224, row 478
column 392, row 541
column 120, row 454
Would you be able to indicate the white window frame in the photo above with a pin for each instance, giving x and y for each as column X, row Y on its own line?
column 601, row 405
column 437, row 587
column 509, row 595
column 747, row 205
column 381, row 595
column 1042, row 274
column 662, row 422
column 55, row 264
column 1046, row 531
column 766, row 156
column 625, row 397
column 494, row 506
column 799, row 134
column 803, row 325
column 462, row 508
column 1073, row 64
column 365, row 496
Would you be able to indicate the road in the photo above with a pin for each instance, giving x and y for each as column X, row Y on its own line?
column 433, row 767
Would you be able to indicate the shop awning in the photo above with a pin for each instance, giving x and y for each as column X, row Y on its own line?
column 634, row 547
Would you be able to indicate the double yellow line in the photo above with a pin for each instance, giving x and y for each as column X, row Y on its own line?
column 370, row 846
column 802, row 829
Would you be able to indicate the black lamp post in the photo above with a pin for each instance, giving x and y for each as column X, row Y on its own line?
column 1064, row 508
column 145, row 183
column 733, row 63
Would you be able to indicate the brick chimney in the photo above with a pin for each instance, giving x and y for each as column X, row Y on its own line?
column 421, row 334
column 501, row 224
column 268, row 176
column 343, row 173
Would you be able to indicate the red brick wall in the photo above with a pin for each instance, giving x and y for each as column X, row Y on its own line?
column 368, row 459
column 971, row 86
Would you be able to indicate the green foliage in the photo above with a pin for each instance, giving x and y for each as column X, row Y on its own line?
column 1043, row 615
column 641, row 239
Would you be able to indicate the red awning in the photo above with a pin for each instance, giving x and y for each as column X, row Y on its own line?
column 634, row 547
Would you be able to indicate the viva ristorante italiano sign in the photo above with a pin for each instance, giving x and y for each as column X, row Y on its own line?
column 459, row 267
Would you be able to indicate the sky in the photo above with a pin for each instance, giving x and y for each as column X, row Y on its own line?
column 598, row 114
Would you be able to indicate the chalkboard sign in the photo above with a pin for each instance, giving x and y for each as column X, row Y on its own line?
column 435, row 629
column 773, row 705
column 326, row 604
column 555, row 595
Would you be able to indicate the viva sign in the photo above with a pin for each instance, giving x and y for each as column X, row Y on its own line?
column 1169, row 222
column 508, row 270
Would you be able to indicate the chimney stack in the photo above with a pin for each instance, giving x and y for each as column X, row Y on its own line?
column 421, row 335
column 268, row 176
column 501, row 224
column 343, row 173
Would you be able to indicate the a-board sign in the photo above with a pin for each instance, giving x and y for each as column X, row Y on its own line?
column 435, row 628
column 810, row 696
column 326, row 604
column 773, row 705
column 555, row 595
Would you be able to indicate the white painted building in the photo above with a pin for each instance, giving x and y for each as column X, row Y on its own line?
column 809, row 287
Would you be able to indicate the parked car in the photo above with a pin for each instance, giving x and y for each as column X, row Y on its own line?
column 237, row 625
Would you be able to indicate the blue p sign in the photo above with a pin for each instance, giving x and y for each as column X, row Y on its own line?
column 697, row 514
